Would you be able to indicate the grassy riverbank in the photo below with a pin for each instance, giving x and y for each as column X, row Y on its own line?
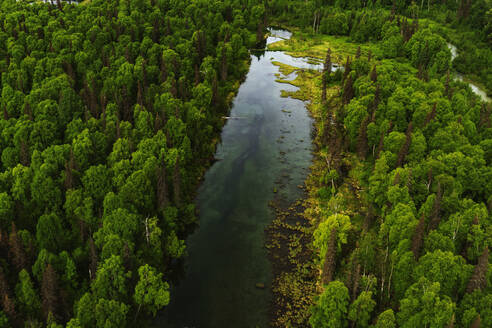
column 304, row 44
column 385, row 198
column 289, row 238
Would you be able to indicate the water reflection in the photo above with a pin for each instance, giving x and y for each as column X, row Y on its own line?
column 227, row 259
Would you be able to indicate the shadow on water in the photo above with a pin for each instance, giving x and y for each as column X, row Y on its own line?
column 268, row 138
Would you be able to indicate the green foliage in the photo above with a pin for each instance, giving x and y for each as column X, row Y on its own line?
column 49, row 232
column 332, row 307
column 150, row 291
column 392, row 45
column 448, row 270
column 109, row 114
column 422, row 306
column 398, row 226
column 336, row 23
column 322, row 234
column 474, row 304
column 429, row 51
column 111, row 313
column 4, row 321
column 411, row 155
column 110, row 282
column 386, row 320
column 6, row 209
column 27, row 295
column 84, row 311
column 360, row 310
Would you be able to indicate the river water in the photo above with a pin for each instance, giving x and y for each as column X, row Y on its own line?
column 265, row 149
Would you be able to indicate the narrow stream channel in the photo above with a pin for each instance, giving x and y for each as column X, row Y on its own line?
column 265, row 148
column 481, row 93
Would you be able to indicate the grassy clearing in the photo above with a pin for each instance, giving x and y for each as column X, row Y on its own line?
column 304, row 44
column 306, row 81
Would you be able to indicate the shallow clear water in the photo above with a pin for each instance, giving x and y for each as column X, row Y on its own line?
column 266, row 146
column 278, row 35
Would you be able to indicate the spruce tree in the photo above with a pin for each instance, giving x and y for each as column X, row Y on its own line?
column 418, row 237
column 478, row 280
column 406, row 146
column 330, row 258
column 49, row 292
column 16, row 250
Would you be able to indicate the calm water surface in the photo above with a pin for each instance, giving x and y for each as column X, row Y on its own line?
column 266, row 146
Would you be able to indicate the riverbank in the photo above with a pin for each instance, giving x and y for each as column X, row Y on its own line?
column 305, row 44
column 356, row 238
column 289, row 238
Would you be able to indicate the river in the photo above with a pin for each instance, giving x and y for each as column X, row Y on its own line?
column 265, row 149
column 481, row 93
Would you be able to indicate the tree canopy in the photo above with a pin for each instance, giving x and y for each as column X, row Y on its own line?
column 109, row 114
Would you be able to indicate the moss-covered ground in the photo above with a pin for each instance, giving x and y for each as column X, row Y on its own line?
column 304, row 44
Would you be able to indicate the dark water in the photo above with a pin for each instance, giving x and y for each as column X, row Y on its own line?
column 266, row 146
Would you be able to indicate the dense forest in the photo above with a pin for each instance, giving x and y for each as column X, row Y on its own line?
column 467, row 23
column 111, row 111
column 402, row 188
